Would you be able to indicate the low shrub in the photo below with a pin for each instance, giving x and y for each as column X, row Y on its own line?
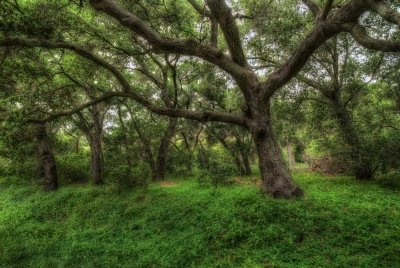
column 390, row 180
column 73, row 167
column 125, row 178
column 216, row 167
column 5, row 166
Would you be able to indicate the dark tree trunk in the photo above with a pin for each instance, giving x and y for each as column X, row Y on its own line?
column 243, row 155
column 163, row 149
column 77, row 143
column 362, row 165
column 246, row 163
column 47, row 160
column 276, row 178
column 97, row 163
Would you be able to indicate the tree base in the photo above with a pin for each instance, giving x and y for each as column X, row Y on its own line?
column 286, row 192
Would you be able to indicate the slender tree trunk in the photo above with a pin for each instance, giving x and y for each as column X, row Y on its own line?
column 189, row 163
column 77, row 144
column 163, row 149
column 246, row 163
column 97, row 163
column 47, row 160
column 147, row 149
column 126, row 140
column 276, row 178
column 243, row 155
column 290, row 154
column 234, row 154
column 362, row 165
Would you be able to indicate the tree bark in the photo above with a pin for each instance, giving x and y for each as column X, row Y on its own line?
column 276, row 178
column 97, row 162
column 163, row 149
column 246, row 163
column 47, row 160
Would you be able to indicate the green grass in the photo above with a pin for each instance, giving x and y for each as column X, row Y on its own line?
column 340, row 223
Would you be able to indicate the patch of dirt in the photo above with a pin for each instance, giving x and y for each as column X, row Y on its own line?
column 247, row 181
column 167, row 184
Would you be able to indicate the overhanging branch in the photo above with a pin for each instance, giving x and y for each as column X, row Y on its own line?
column 360, row 34
column 128, row 89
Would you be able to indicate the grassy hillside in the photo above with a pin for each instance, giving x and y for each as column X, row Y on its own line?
column 340, row 223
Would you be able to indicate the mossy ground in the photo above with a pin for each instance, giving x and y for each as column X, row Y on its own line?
column 339, row 223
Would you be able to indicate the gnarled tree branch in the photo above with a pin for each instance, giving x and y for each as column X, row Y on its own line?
column 128, row 89
column 189, row 47
column 360, row 34
column 223, row 14
column 385, row 11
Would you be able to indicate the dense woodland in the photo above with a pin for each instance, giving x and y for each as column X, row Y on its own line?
column 285, row 97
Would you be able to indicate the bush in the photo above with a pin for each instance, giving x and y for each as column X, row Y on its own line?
column 126, row 179
column 390, row 180
column 5, row 166
column 73, row 167
column 27, row 170
column 179, row 162
column 216, row 167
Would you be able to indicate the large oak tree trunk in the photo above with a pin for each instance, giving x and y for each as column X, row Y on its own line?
column 163, row 149
column 276, row 178
column 362, row 165
column 47, row 160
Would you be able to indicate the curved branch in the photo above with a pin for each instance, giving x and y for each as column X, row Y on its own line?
column 201, row 10
column 385, row 11
column 190, row 47
column 223, row 14
column 79, row 108
column 360, row 34
column 327, row 9
column 313, row 7
column 323, row 31
column 128, row 89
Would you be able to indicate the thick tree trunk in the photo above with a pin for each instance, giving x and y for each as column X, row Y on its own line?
column 163, row 149
column 47, row 160
column 276, row 178
column 362, row 165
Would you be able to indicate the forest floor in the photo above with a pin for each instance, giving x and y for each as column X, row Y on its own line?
column 177, row 223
